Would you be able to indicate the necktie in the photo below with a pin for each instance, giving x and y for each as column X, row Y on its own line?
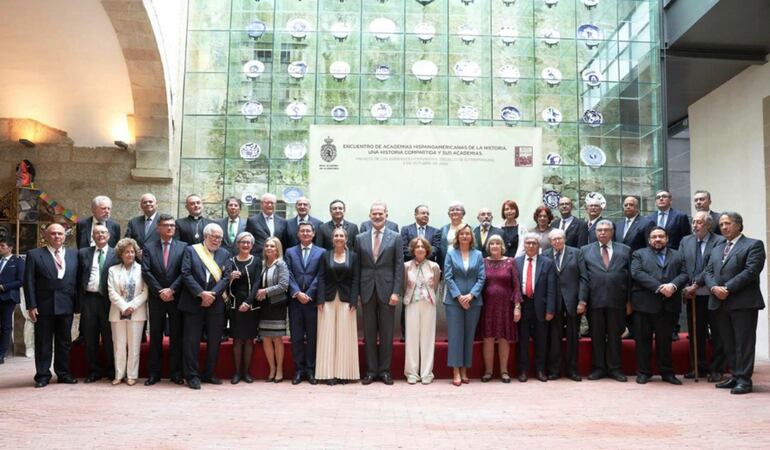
column 483, row 236
column 147, row 225
column 231, row 231
column 165, row 255
column 628, row 225
column 421, row 232
column 2, row 264
column 270, row 226
column 305, row 251
column 528, row 287
column 727, row 250
column 699, row 257
column 100, row 258
column 662, row 257
column 377, row 242
column 662, row 220
column 558, row 261
column 563, row 224
column 606, row 257
column 57, row 260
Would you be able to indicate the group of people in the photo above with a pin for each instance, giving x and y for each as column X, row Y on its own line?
column 192, row 276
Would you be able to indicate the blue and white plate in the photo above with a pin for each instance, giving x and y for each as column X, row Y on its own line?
column 339, row 70
column 551, row 75
column 590, row 3
column 551, row 199
column 424, row 115
column 551, row 37
column 593, row 118
column 253, row 69
column 425, row 2
column 597, row 196
column 592, row 77
column 250, row 151
column 467, row 70
column 248, row 198
column 590, row 33
column 296, row 110
column 468, row 114
column 292, row 194
column 297, row 69
column 551, row 3
column 295, row 150
column 252, row 109
column 381, row 111
column 339, row 113
column 510, row 114
column 553, row 159
column 298, row 28
column 509, row 74
column 508, row 2
column 593, row 156
column 256, row 29
column 382, row 72
column 551, row 116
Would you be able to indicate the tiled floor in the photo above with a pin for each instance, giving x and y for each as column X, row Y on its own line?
column 556, row 414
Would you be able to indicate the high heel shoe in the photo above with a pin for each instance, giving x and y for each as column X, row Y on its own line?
column 131, row 382
column 457, row 383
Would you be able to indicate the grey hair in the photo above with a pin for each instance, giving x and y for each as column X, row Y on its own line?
column 208, row 229
column 705, row 216
column 605, row 222
column 99, row 199
column 531, row 235
column 556, row 232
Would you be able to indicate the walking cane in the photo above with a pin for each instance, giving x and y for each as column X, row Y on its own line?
column 694, row 333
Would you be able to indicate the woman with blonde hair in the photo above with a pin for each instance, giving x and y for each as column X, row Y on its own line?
column 272, row 296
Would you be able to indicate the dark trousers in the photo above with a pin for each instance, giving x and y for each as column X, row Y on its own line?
column 662, row 324
column 607, row 326
column 159, row 311
column 555, row 329
column 530, row 326
column 572, row 334
column 52, row 333
column 738, row 330
column 191, row 330
column 303, row 325
column 379, row 319
column 6, row 325
column 704, row 319
column 94, row 324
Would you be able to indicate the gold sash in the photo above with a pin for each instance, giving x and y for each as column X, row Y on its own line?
column 208, row 260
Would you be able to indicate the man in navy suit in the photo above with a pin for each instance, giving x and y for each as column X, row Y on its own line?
column 576, row 230
column 11, row 279
column 204, row 279
column 232, row 225
column 367, row 225
column 702, row 202
column 142, row 228
column 676, row 223
column 304, row 262
column 632, row 229
column 93, row 266
column 302, row 207
column 485, row 229
column 733, row 278
column 337, row 212
column 538, row 305
column 265, row 224
column 101, row 207
column 162, row 271
column 51, row 289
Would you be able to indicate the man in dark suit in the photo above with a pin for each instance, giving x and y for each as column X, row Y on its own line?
column 266, row 224
column 101, row 207
column 162, row 271
column 11, row 280
column 142, row 228
column 538, row 305
column 732, row 276
column 302, row 207
column 594, row 211
column 567, row 261
column 696, row 251
column 485, row 229
column 576, row 230
column 702, row 201
column 304, row 262
column 204, row 279
column 605, row 291
column 658, row 275
column 190, row 229
column 51, row 289
column 367, row 224
column 232, row 225
column 381, row 260
column 632, row 230
column 337, row 212
column 93, row 265
column 676, row 223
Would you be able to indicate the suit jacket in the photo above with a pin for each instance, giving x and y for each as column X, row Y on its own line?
column 636, row 237
column 327, row 230
column 135, row 230
column 226, row 242
column 605, row 288
column 648, row 274
column 194, row 281
column 292, row 229
column 120, row 302
column 460, row 281
column 159, row 277
column 677, row 226
column 688, row 247
column 433, row 235
column 344, row 282
column 367, row 225
column 84, row 232
column 431, row 277
column 715, row 222
column 739, row 273
column 568, row 279
column 188, row 228
column 43, row 289
column 303, row 277
column 481, row 246
column 85, row 260
column 257, row 226
column 12, row 278
column 545, row 291
column 385, row 276
column 576, row 233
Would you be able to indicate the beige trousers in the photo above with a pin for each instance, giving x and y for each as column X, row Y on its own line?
column 420, row 344
column 127, row 342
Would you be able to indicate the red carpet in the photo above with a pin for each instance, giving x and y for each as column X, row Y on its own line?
column 259, row 366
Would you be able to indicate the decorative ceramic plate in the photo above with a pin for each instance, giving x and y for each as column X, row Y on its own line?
column 551, row 199
column 590, row 33
column 510, row 114
column 508, row 2
column 590, row 3
column 296, row 110
column 593, row 156
column 340, row 30
column 425, row 31
column 252, row 109
column 467, row 34
column 382, row 72
column 253, row 69
column 250, row 151
column 291, row 194
column 339, row 113
column 509, row 74
column 339, row 70
column 551, row 3
column 424, row 115
column 551, row 75
column 382, row 28
column 592, row 77
column 256, row 29
column 551, row 37
column 553, row 159
column 297, row 69
column 593, row 118
column 425, row 2
column 295, row 150
column 298, row 28
column 468, row 114
column 597, row 196
column 248, row 198
column 467, row 70
column 381, row 111
column 508, row 35
column 552, row 116
column 424, row 70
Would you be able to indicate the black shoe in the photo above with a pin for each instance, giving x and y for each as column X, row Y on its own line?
column 278, row 380
column 642, row 379
column 553, row 376
column 617, row 376
column 79, row 340
column 41, row 383
column 194, row 383
column 387, row 379
column 597, row 375
column 674, row 336
column 727, row 384
column 714, row 377
column 689, row 375
column 235, row 379
column 541, row 376
column 741, row 388
column 574, row 376
column 151, row 380
column 297, row 379
column 367, row 380
column 523, row 377
column 2, row 360
column 247, row 378
column 486, row 378
column 671, row 378
column 92, row 378
column 311, row 379
column 177, row 380
column 67, row 380
column 211, row 380
column 332, row 382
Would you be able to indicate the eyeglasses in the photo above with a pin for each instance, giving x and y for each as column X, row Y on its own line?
column 216, row 238
column 660, row 196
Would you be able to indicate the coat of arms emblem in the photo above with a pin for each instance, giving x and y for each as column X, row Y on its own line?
column 328, row 150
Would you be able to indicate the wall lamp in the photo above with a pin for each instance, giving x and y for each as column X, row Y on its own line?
column 26, row 142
